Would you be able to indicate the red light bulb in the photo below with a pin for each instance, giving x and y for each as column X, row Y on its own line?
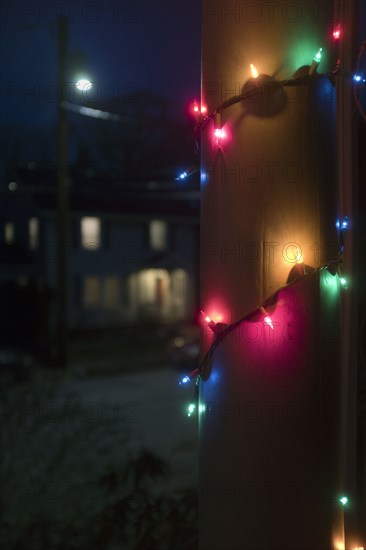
column 197, row 110
column 337, row 32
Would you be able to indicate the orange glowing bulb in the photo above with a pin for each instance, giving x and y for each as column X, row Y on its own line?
column 299, row 258
column 254, row 71
column 203, row 109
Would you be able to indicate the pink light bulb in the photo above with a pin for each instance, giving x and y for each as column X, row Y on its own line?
column 206, row 317
column 268, row 321
column 219, row 133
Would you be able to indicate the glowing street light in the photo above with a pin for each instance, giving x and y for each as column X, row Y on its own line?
column 83, row 84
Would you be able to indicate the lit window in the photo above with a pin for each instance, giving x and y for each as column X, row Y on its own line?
column 111, row 292
column 90, row 233
column 9, row 232
column 33, row 229
column 92, row 292
column 158, row 234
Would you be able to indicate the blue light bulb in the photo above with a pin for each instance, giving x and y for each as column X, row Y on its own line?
column 184, row 380
column 345, row 223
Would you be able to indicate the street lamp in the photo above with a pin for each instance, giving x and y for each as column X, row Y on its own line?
column 82, row 84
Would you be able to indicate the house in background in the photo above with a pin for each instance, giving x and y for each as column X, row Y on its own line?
column 132, row 253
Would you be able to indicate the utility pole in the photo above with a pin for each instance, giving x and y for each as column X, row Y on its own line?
column 62, row 193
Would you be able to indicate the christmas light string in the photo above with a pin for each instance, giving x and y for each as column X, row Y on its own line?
column 200, row 111
column 222, row 330
column 293, row 81
column 247, row 95
column 335, row 266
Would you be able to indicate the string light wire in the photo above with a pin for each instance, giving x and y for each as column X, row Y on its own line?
column 222, row 330
column 355, row 87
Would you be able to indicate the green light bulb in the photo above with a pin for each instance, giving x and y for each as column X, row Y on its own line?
column 343, row 500
column 343, row 281
column 191, row 409
column 318, row 55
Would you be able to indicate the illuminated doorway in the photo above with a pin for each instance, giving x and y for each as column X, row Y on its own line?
column 158, row 294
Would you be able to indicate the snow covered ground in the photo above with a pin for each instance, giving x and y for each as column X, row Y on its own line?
column 80, row 452
column 151, row 406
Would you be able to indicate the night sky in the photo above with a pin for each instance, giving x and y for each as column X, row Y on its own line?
column 129, row 46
